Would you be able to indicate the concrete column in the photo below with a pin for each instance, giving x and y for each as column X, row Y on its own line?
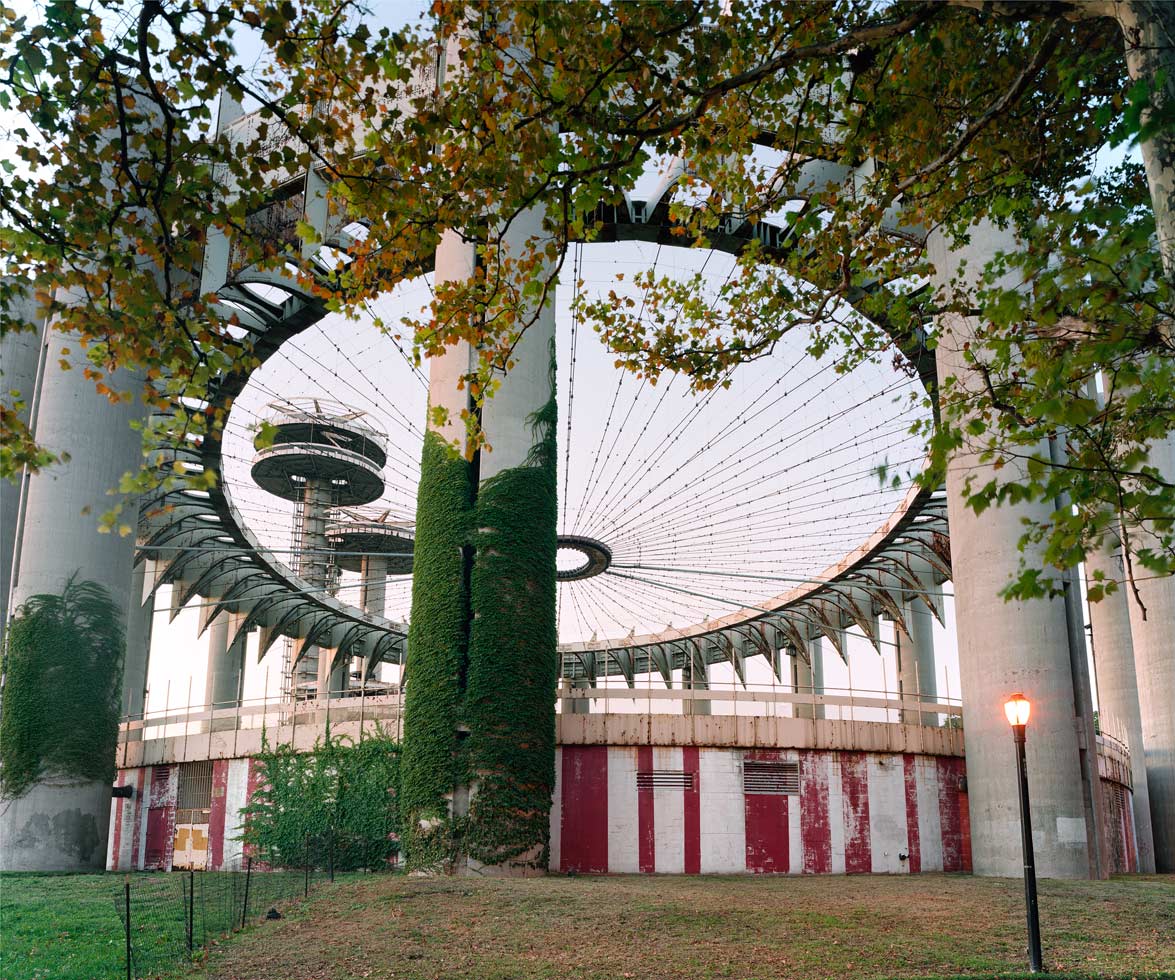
column 1006, row 647
column 313, row 564
column 61, row 825
column 226, row 671
column 582, row 706
column 1117, row 687
column 1154, row 664
column 20, row 357
column 696, row 677
column 808, row 678
column 916, row 667
column 374, row 589
column 140, row 618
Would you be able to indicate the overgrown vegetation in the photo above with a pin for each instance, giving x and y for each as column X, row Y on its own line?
column 62, row 688
column 438, row 644
column 513, row 636
column 337, row 804
column 483, row 608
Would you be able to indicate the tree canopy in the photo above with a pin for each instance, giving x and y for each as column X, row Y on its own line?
column 923, row 117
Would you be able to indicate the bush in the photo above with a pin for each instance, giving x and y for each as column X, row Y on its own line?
column 337, row 804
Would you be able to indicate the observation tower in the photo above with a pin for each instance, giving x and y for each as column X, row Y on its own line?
column 323, row 455
column 374, row 547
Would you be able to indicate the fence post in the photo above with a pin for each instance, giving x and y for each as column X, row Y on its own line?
column 248, row 875
column 127, row 919
column 331, row 853
column 306, row 866
column 191, row 907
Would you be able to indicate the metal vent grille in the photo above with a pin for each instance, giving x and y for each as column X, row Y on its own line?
column 771, row 778
column 195, row 786
column 665, row 779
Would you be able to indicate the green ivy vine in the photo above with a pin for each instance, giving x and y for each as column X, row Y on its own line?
column 513, row 662
column 438, row 641
column 483, row 610
column 62, row 688
column 337, row 804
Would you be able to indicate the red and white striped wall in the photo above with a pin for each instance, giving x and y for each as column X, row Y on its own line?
column 142, row 828
column 688, row 810
column 668, row 810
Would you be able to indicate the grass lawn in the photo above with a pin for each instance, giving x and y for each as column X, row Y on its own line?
column 639, row 927
column 66, row 927
column 60, row 927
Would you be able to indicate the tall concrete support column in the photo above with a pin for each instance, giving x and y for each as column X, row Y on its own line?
column 916, row 666
column 578, row 706
column 225, row 677
column 1154, row 663
column 374, row 590
column 140, row 618
column 61, row 824
column 1006, row 647
column 807, row 677
column 20, row 357
column 1117, row 687
column 696, row 677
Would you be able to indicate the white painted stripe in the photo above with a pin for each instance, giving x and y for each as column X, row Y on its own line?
column 235, row 797
column 669, row 817
column 887, row 813
column 140, row 845
column 929, row 820
column 623, row 845
column 116, row 808
column 557, row 811
column 723, row 816
column 836, row 811
column 795, row 841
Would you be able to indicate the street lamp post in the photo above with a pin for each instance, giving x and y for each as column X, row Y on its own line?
column 1017, row 709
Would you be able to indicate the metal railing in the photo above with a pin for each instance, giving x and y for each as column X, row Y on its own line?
column 231, row 730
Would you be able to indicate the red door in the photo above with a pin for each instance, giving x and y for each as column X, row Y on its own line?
column 158, row 838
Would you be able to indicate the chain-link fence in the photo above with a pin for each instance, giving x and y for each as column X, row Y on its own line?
column 171, row 916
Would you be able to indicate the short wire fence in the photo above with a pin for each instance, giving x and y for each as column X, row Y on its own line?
column 173, row 916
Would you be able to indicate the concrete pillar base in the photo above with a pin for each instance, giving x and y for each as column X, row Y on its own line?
column 59, row 825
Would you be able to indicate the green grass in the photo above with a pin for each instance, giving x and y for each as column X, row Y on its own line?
column 60, row 927
column 66, row 927
column 69, row 927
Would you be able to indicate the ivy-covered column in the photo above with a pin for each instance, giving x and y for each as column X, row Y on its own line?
column 438, row 638
column 479, row 748
column 513, row 663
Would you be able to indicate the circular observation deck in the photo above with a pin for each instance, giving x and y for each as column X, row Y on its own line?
column 354, row 536
column 322, row 441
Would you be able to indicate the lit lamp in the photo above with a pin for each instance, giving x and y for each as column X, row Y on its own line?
column 1017, row 709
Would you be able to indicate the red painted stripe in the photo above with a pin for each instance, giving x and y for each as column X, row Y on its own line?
column 584, row 820
column 767, row 836
column 119, row 815
column 964, row 819
column 693, row 812
column 815, row 834
column 216, row 814
column 646, row 834
column 137, row 842
column 950, row 815
column 913, row 838
column 854, row 784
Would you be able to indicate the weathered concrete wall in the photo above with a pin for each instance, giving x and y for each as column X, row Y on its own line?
column 58, row 825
